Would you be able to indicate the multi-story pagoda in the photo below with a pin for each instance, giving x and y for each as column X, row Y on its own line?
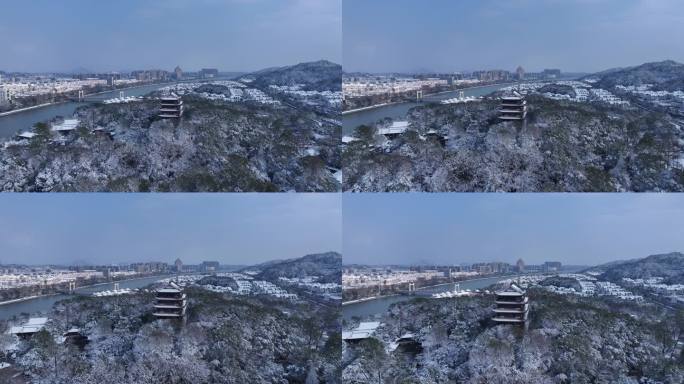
column 513, row 107
column 512, row 306
column 171, row 303
column 171, row 106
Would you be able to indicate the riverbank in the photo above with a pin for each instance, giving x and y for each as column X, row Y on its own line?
column 371, row 107
column 79, row 288
column 85, row 95
column 367, row 299
column 27, row 298
column 29, row 108
column 426, row 95
column 423, row 288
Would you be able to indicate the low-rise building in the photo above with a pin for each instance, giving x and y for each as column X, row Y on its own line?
column 28, row 329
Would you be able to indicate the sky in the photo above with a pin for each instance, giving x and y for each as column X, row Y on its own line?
column 234, row 229
column 447, row 36
column 456, row 228
column 231, row 35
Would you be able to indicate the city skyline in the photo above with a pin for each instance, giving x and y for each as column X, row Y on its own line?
column 575, row 229
column 232, row 35
column 406, row 36
column 104, row 229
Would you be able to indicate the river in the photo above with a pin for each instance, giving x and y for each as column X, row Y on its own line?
column 371, row 308
column 398, row 111
column 24, row 121
column 43, row 304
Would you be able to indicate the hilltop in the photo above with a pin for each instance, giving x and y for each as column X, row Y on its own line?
column 326, row 265
column 666, row 75
column 317, row 75
column 669, row 266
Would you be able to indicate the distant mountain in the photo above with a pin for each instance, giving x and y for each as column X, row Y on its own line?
column 665, row 75
column 327, row 265
column 316, row 75
column 668, row 265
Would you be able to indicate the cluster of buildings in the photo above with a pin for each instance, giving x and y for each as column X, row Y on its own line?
column 26, row 87
column 156, row 75
column 605, row 96
column 244, row 284
column 5, row 96
column 29, row 276
column 674, row 292
column 381, row 85
column 44, row 278
column 151, row 75
column 333, row 98
column 29, row 85
column 362, row 85
column 234, row 92
column 606, row 288
column 385, row 277
column 589, row 285
column 645, row 90
column 670, row 100
column 268, row 288
column 366, row 276
column 22, row 85
column 311, row 283
column 583, row 92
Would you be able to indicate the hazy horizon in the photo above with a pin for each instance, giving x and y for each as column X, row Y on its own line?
column 106, row 229
column 406, row 36
column 453, row 229
column 231, row 35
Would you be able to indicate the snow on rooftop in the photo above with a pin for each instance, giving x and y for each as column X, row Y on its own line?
column 368, row 326
column 168, row 290
column 33, row 325
column 363, row 331
column 396, row 128
column 27, row 135
column 66, row 125
column 37, row 321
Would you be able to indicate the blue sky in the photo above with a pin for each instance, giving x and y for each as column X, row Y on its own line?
column 239, row 228
column 447, row 35
column 232, row 35
column 451, row 229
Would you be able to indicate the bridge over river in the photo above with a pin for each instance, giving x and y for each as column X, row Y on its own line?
column 376, row 307
column 43, row 304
